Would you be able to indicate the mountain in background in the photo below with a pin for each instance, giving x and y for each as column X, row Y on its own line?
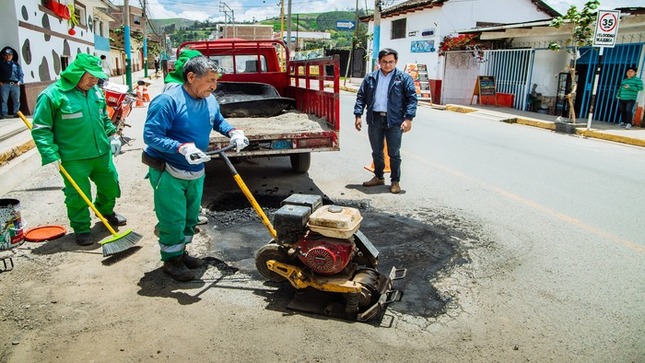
column 181, row 30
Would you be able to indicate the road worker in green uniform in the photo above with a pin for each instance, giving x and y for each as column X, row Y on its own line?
column 71, row 126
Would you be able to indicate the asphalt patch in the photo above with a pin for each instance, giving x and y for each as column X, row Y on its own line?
column 427, row 243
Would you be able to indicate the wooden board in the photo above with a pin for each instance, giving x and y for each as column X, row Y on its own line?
column 484, row 87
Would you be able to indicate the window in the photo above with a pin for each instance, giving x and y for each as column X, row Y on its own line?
column 136, row 19
column 398, row 29
column 81, row 14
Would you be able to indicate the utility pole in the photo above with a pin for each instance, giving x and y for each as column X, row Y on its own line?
column 145, row 40
column 126, row 41
column 282, row 19
column 289, row 45
column 377, row 32
column 351, row 51
column 222, row 7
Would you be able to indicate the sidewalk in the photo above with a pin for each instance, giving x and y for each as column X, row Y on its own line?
column 598, row 130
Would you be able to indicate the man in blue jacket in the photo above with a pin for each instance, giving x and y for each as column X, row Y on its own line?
column 177, row 132
column 391, row 101
column 11, row 77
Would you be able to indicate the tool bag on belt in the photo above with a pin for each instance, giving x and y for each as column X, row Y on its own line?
column 154, row 163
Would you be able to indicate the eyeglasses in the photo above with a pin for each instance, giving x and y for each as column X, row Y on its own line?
column 387, row 62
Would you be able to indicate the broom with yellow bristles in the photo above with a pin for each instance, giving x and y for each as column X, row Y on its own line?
column 119, row 242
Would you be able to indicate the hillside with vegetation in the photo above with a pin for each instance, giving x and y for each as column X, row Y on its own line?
column 181, row 30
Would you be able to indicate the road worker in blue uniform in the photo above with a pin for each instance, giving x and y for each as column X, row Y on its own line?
column 177, row 132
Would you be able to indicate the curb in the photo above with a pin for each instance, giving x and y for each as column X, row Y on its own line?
column 592, row 133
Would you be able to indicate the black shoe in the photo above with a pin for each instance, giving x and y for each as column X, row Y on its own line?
column 1, row 117
column 116, row 219
column 192, row 262
column 176, row 268
column 84, row 239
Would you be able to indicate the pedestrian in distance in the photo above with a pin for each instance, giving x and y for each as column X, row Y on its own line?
column 390, row 100
column 71, row 125
column 11, row 77
column 176, row 133
column 626, row 95
column 105, row 66
column 156, row 66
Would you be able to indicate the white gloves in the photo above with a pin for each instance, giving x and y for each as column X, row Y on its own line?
column 193, row 154
column 238, row 138
column 115, row 144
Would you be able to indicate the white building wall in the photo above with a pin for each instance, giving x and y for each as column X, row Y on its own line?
column 445, row 20
column 43, row 39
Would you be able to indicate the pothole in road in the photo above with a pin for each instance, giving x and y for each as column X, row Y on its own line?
column 426, row 242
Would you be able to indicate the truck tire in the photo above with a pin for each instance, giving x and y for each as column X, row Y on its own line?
column 300, row 162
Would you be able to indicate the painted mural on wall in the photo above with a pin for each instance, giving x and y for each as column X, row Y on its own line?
column 422, row 46
column 46, row 39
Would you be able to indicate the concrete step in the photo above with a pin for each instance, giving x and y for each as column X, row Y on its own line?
column 18, row 154
column 18, row 169
column 10, row 127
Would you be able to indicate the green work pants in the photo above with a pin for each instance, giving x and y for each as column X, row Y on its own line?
column 102, row 172
column 177, row 205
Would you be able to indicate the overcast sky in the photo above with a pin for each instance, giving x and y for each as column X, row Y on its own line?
column 248, row 10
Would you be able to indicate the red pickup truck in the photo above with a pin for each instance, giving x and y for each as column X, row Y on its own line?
column 286, row 108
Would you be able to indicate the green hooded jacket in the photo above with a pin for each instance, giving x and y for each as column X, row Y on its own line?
column 70, row 124
column 176, row 75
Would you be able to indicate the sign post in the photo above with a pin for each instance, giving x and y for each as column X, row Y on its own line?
column 604, row 36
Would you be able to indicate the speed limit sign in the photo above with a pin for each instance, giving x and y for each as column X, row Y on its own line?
column 606, row 28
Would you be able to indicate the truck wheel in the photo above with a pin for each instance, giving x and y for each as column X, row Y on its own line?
column 300, row 162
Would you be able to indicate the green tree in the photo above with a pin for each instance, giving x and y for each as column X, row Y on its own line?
column 581, row 26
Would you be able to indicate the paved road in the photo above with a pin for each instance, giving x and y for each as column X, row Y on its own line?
column 559, row 263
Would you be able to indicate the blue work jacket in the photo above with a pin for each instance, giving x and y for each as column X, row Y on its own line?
column 401, row 98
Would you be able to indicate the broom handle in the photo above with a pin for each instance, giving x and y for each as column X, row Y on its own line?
column 78, row 189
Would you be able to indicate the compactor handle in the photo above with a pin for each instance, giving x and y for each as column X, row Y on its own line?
column 244, row 188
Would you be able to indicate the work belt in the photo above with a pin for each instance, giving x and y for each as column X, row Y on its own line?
column 382, row 114
column 10, row 83
column 154, row 163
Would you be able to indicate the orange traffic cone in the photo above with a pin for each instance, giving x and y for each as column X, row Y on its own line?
column 385, row 157
column 146, row 95
column 139, row 97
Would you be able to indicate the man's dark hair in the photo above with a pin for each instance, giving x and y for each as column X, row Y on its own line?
column 200, row 66
column 633, row 68
column 387, row 51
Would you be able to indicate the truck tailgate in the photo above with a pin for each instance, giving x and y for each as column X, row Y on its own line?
column 290, row 132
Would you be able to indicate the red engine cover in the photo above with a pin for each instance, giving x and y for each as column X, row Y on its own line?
column 323, row 255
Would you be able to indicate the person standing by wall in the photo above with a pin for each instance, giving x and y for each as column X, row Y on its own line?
column 390, row 98
column 11, row 77
column 176, row 132
column 71, row 125
column 626, row 95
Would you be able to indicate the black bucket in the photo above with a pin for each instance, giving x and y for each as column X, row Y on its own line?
column 11, row 233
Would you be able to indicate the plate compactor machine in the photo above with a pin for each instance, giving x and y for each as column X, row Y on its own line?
column 321, row 252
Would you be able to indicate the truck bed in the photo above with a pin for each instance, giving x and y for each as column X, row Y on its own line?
column 264, row 128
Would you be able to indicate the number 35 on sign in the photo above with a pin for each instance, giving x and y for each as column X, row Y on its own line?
column 606, row 28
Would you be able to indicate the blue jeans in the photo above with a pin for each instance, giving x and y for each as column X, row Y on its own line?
column 7, row 90
column 378, row 131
